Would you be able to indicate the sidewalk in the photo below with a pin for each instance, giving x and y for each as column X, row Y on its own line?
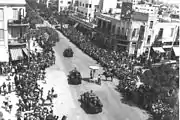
column 57, row 79
column 14, row 100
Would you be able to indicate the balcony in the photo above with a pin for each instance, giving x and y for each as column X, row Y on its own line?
column 18, row 23
column 19, row 40
column 83, row 21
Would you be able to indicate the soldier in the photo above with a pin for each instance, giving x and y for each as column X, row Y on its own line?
column 52, row 90
column 75, row 70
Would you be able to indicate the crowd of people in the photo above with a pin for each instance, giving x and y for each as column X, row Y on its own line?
column 123, row 68
column 33, row 104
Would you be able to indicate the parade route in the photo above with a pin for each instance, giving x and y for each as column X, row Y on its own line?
column 113, row 108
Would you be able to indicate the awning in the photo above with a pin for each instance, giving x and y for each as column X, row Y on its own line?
column 167, row 46
column 176, row 51
column 100, row 17
column 25, row 51
column 159, row 49
column 81, row 21
column 4, row 54
column 16, row 54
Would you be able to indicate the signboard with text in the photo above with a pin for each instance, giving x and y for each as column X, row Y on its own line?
column 126, row 11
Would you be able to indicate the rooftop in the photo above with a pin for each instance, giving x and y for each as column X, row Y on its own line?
column 14, row 2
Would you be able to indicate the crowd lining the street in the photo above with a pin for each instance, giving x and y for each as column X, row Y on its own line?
column 123, row 68
column 33, row 104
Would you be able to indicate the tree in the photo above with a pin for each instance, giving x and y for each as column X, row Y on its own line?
column 32, row 3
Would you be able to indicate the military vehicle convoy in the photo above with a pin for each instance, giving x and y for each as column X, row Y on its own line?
column 74, row 77
column 91, row 103
column 68, row 52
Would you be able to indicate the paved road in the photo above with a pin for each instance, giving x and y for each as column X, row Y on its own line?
column 113, row 108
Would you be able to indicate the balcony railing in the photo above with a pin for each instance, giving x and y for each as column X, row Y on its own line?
column 18, row 23
column 88, row 24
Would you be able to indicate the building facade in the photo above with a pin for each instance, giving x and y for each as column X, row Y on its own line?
column 12, row 26
column 87, row 8
column 166, row 39
column 125, row 34
column 146, row 8
column 64, row 4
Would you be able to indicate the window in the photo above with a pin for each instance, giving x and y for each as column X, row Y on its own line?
column 89, row 15
column 61, row 1
column 118, row 5
column 172, row 30
column 1, row 34
column 80, row 4
column 90, row 5
column 122, row 31
column 86, row 5
column 118, row 30
column 160, row 33
column 1, row 14
column 113, row 28
column 134, row 33
column 127, row 31
column 148, row 39
column 83, row 5
column 133, row 43
column 151, row 25
column 141, row 32
column 15, row 13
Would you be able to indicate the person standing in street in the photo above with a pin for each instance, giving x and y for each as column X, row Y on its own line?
column 52, row 90
column 9, row 87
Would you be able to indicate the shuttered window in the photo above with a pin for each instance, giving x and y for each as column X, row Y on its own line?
column 1, row 14
column 1, row 35
column 15, row 13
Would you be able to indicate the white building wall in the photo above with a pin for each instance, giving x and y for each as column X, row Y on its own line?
column 167, row 36
column 9, row 11
column 89, row 11
column 8, row 15
column 145, row 9
column 134, row 39
column 107, row 4
column 63, row 4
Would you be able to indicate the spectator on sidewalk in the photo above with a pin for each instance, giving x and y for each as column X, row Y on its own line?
column 10, row 106
column 4, row 85
column 9, row 87
column 13, row 71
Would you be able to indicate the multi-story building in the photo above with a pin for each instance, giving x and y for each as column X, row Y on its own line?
column 12, row 28
column 126, row 30
column 165, row 38
column 87, row 8
column 64, row 4
column 146, row 8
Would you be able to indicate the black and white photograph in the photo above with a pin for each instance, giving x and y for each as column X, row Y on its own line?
column 89, row 59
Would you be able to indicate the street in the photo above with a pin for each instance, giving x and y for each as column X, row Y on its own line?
column 113, row 108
